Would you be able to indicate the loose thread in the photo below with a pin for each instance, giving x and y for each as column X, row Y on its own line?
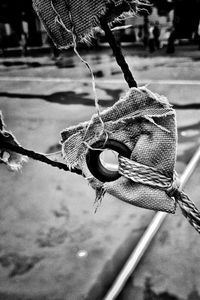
column 73, row 33
column 96, row 100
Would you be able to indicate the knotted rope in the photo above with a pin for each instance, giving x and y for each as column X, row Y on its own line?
column 147, row 175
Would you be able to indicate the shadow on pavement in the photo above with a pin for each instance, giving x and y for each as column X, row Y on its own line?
column 69, row 97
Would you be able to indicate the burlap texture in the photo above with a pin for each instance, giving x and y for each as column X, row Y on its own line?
column 145, row 122
column 85, row 16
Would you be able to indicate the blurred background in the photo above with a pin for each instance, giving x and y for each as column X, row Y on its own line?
column 52, row 244
column 19, row 24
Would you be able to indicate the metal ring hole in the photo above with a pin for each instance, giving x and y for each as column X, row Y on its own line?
column 109, row 159
column 98, row 166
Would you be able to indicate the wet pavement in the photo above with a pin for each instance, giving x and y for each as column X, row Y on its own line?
column 52, row 244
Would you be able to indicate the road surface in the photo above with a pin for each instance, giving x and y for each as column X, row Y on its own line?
column 52, row 244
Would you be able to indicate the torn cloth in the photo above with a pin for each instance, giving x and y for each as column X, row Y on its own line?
column 145, row 122
column 13, row 160
column 57, row 17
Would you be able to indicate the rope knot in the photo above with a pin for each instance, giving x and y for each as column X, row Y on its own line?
column 151, row 176
column 175, row 186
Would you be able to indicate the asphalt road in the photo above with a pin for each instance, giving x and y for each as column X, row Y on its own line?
column 52, row 244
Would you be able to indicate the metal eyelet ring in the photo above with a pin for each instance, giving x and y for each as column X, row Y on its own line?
column 93, row 160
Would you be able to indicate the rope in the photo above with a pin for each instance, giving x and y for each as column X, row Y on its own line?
column 5, row 144
column 143, row 174
column 117, row 52
column 189, row 210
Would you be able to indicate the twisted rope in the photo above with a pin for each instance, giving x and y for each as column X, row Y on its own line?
column 143, row 174
column 189, row 210
column 117, row 52
column 5, row 144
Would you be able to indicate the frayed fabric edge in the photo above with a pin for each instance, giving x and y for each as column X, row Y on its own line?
column 89, row 33
column 159, row 99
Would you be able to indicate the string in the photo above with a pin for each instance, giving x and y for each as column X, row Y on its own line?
column 74, row 38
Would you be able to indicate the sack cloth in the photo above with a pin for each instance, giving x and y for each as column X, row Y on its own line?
column 84, row 15
column 145, row 122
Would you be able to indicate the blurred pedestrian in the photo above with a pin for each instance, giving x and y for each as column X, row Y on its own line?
column 151, row 38
column 146, row 35
column 140, row 33
column 2, row 38
column 171, row 41
column 55, row 52
column 156, row 33
column 23, row 43
column 198, row 34
column 118, row 36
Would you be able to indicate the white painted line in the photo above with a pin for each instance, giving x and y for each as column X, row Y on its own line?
column 88, row 80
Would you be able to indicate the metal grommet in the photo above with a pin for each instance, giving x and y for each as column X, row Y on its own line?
column 93, row 159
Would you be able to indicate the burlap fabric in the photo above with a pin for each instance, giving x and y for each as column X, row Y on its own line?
column 84, row 14
column 144, row 122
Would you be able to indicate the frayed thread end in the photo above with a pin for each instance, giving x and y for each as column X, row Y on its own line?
column 100, row 192
column 13, row 160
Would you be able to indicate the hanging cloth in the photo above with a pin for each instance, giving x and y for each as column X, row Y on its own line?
column 57, row 17
column 143, row 121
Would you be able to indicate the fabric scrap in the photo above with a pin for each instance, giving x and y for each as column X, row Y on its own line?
column 146, row 123
column 57, row 17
